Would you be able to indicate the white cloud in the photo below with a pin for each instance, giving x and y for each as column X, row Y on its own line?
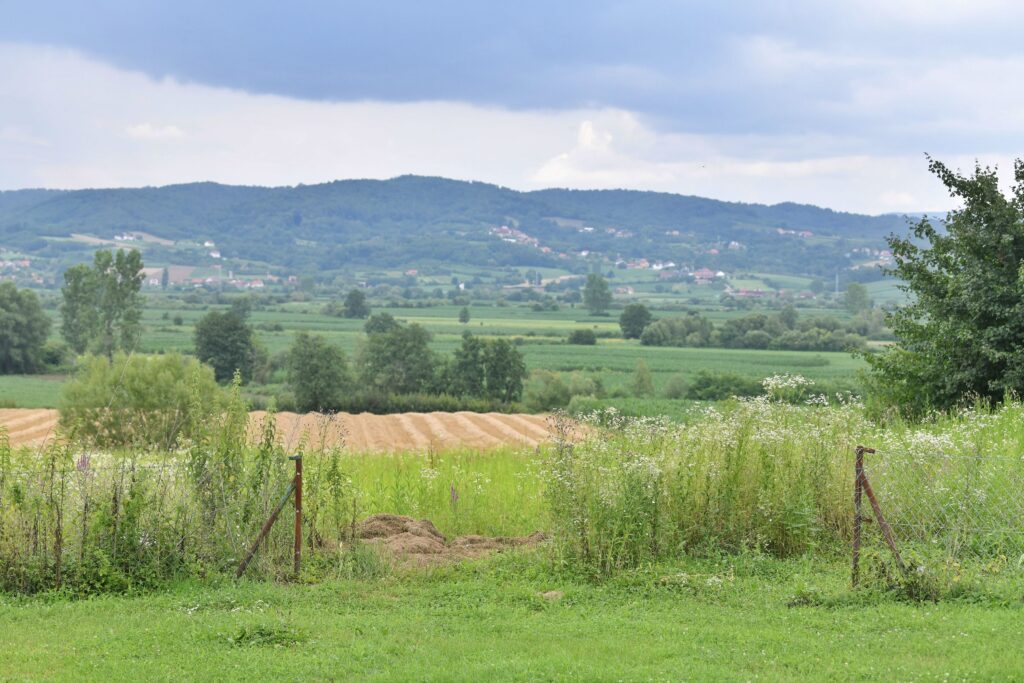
column 149, row 131
column 104, row 126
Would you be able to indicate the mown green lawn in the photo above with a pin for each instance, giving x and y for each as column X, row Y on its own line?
column 730, row 619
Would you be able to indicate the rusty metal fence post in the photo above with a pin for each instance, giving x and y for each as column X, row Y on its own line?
column 295, row 486
column 857, row 519
column 863, row 485
column 298, row 512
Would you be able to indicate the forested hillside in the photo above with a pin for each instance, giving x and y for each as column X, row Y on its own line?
column 414, row 220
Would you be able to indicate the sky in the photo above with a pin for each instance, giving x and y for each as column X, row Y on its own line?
column 834, row 104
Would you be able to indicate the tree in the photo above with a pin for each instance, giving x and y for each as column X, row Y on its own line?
column 101, row 306
column 789, row 317
column 78, row 312
column 165, row 278
column 464, row 315
column 504, row 370
column 597, row 295
column 634, row 318
column 379, row 323
column 398, row 361
column 317, row 373
column 355, row 304
column 641, row 383
column 467, row 372
column 225, row 341
column 23, row 330
column 856, row 299
column 963, row 330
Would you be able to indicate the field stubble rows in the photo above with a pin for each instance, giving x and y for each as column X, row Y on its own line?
column 364, row 432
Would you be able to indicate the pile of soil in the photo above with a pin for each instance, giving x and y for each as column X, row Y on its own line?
column 417, row 542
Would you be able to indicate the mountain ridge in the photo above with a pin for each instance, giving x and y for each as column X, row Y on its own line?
column 411, row 219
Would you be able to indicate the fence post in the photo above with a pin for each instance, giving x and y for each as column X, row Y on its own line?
column 857, row 521
column 298, row 513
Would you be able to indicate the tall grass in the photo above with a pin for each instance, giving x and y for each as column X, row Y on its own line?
column 88, row 522
column 778, row 477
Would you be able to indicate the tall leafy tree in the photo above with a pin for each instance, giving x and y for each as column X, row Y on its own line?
column 78, row 312
column 634, row 318
column 504, row 371
column 23, row 330
column 597, row 295
column 355, row 305
column 398, row 361
column 467, row 371
column 317, row 373
column 857, row 299
column 225, row 341
column 963, row 330
column 101, row 305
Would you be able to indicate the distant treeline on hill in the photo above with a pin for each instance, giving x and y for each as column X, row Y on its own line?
column 413, row 221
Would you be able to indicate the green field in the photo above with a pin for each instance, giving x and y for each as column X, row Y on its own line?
column 30, row 391
column 730, row 619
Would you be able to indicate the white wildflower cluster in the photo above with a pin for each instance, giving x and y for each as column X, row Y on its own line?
column 783, row 386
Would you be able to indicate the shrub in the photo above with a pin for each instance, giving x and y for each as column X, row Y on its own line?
column 545, row 391
column 582, row 337
column 717, row 386
column 137, row 400
column 676, row 387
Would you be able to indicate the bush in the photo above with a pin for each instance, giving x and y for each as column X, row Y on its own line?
column 137, row 400
column 545, row 391
column 676, row 387
column 717, row 386
column 583, row 337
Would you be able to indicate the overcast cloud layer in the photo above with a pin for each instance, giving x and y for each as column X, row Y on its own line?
column 797, row 102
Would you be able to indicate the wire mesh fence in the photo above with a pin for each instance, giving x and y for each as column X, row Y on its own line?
column 949, row 509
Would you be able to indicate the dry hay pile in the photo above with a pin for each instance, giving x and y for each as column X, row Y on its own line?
column 365, row 432
column 418, row 543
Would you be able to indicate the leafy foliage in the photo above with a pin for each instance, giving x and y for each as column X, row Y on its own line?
column 101, row 306
column 23, row 330
column 584, row 337
column 964, row 329
column 597, row 295
column 224, row 340
column 634, row 319
column 317, row 373
column 355, row 304
column 139, row 401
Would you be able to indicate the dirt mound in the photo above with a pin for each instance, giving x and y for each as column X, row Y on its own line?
column 417, row 542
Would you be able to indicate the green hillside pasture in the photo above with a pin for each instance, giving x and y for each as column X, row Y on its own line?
column 30, row 391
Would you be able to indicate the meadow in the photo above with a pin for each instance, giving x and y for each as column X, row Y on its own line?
column 720, row 548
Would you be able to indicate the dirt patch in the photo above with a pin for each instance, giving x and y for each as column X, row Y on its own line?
column 418, row 543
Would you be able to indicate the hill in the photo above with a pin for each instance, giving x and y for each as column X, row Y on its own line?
column 411, row 221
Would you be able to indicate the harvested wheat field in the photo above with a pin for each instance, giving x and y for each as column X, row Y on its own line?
column 409, row 431
column 365, row 432
column 29, row 427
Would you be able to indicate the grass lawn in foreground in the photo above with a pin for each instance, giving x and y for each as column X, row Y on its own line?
column 727, row 619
